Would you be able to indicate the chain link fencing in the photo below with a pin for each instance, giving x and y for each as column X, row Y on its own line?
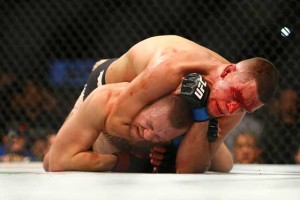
column 48, row 48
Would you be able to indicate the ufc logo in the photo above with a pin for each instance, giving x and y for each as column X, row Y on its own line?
column 200, row 89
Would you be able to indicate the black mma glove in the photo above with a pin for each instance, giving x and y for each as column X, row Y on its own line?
column 195, row 91
column 212, row 132
column 133, row 162
column 168, row 164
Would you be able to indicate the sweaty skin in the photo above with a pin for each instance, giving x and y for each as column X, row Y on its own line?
column 87, row 127
column 155, row 67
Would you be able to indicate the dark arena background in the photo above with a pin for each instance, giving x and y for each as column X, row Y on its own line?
column 47, row 50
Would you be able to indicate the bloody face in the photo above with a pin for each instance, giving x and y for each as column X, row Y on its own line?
column 235, row 93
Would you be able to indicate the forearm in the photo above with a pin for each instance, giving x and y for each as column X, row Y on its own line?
column 222, row 161
column 222, row 158
column 84, row 161
column 194, row 153
column 153, row 83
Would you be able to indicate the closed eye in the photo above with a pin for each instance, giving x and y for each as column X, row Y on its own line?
column 238, row 96
column 150, row 125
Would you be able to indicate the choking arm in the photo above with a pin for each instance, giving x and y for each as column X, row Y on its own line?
column 157, row 80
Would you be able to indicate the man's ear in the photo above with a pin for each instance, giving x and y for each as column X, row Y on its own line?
column 228, row 69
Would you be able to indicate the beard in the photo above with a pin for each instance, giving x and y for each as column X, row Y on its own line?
column 145, row 143
column 141, row 143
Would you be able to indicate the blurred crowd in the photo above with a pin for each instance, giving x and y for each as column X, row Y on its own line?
column 272, row 136
column 29, row 125
column 27, row 120
column 19, row 145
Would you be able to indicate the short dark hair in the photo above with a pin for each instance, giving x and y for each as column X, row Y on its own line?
column 265, row 75
column 180, row 113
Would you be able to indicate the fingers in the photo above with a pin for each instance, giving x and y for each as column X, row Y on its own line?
column 157, row 155
column 155, row 169
column 158, row 149
column 156, row 158
column 156, row 162
column 177, row 90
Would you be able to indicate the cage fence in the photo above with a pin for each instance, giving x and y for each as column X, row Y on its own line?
column 49, row 47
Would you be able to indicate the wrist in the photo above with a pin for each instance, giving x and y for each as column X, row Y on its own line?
column 122, row 161
column 200, row 114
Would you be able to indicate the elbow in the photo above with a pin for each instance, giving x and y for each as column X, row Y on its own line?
column 225, row 167
column 174, row 74
column 55, row 165
column 182, row 168
column 170, row 69
column 52, row 165
column 56, row 168
column 228, row 167
column 46, row 162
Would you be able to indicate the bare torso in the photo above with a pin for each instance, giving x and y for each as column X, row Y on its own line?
column 141, row 55
column 154, row 67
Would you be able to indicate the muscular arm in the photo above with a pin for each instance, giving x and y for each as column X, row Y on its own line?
column 162, row 75
column 76, row 136
column 196, row 154
column 222, row 161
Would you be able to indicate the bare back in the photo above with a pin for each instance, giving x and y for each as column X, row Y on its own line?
column 140, row 56
column 155, row 67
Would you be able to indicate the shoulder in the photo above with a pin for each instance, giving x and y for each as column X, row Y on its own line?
column 104, row 97
column 107, row 93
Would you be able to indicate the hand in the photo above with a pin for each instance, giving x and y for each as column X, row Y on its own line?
column 164, row 159
column 156, row 157
column 195, row 91
column 134, row 161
